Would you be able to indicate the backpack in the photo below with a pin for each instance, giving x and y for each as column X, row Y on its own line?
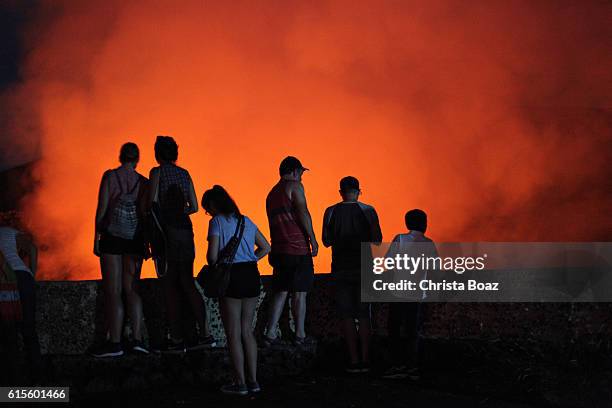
column 123, row 221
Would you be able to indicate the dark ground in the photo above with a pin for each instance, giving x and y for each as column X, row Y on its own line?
column 315, row 391
column 474, row 374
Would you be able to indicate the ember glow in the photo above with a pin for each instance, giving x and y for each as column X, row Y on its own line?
column 494, row 117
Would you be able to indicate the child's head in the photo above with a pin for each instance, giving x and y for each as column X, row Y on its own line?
column 416, row 220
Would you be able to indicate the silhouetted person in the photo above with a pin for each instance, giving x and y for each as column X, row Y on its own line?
column 238, row 305
column 293, row 246
column 172, row 188
column 345, row 226
column 20, row 255
column 119, row 242
column 408, row 314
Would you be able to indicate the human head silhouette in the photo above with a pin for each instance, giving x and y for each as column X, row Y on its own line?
column 129, row 154
column 349, row 188
column 291, row 169
column 166, row 149
column 416, row 220
column 218, row 201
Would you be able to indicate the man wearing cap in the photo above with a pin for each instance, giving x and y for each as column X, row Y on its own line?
column 293, row 246
column 345, row 226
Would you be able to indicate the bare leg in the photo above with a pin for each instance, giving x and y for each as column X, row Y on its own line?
column 248, row 338
column 298, row 306
column 364, row 335
column 276, row 309
column 131, row 275
column 111, row 283
column 231, row 310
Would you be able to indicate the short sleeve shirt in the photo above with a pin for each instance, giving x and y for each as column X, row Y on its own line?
column 224, row 227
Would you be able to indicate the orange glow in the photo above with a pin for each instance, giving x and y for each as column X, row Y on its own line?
column 436, row 106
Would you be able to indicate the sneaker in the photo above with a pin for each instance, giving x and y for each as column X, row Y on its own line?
column 414, row 374
column 353, row 368
column 253, row 386
column 403, row 372
column 139, row 347
column 396, row 373
column 235, row 389
column 364, row 367
column 202, row 343
column 269, row 342
column 108, row 349
column 303, row 341
column 171, row 348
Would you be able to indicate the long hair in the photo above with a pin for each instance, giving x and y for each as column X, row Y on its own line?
column 221, row 200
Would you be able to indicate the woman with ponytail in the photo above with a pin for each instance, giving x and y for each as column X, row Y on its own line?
column 240, row 300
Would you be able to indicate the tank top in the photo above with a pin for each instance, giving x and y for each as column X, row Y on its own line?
column 174, row 185
column 124, row 179
column 286, row 234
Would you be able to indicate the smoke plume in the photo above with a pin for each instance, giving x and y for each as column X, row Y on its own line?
column 494, row 117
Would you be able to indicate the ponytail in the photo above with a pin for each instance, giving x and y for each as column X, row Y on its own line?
column 218, row 197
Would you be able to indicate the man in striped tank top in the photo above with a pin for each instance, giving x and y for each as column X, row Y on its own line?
column 293, row 246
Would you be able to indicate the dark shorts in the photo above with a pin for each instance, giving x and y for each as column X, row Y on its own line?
column 291, row 273
column 110, row 244
column 347, row 296
column 244, row 281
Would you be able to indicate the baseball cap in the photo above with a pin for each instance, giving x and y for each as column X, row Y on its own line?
column 289, row 164
column 349, row 183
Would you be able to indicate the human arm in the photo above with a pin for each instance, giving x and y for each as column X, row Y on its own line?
column 213, row 249
column 298, row 198
column 192, row 200
column 212, row 253
column 262, row 244
column 376, row 232
column 327, row 234
column 153, row 187
column 25, row 245
column 102, row 208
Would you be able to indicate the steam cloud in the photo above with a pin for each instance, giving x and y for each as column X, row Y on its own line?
column 494, row 117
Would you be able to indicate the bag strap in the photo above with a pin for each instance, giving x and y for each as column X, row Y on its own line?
column 238, row 236
column 121, row 192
